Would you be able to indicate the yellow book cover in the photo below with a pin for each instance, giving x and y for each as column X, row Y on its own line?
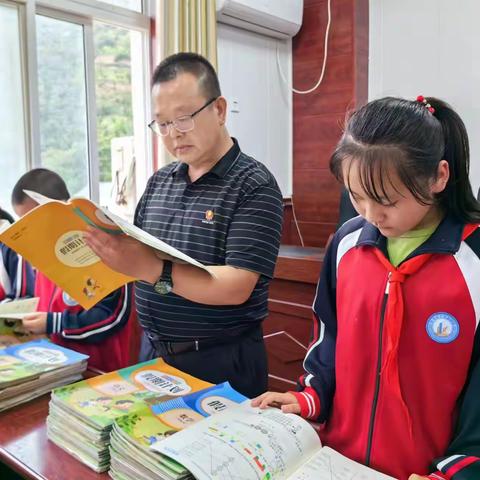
column 50, row 237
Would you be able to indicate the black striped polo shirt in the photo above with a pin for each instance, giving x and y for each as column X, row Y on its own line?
column 232, row 216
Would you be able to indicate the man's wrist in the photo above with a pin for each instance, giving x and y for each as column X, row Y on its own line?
column 154, row 272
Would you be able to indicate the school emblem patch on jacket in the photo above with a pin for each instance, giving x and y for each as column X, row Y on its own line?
column 442, row 327
column 68, row 300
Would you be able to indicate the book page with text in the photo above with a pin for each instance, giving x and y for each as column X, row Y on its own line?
column 151, row 241
column 243, row 443
column 328, row 464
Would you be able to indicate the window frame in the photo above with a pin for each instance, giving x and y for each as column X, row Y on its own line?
column 84, row 13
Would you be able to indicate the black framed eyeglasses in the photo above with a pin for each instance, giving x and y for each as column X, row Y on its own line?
column 183, row 124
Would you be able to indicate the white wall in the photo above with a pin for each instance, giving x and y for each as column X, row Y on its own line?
column 431, row 48
column 259, row 103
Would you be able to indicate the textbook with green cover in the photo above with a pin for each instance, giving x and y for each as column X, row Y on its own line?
column 132, row 435
column 50, row 237
column 81, row 415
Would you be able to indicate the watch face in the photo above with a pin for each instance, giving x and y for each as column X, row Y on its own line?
column 163, row 287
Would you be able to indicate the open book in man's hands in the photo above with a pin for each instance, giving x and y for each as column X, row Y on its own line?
column 50, row 237
column 246, row 443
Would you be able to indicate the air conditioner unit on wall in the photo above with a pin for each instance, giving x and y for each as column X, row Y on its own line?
column 275, row 18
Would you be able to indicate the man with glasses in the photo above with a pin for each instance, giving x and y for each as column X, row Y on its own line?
column 222, row 208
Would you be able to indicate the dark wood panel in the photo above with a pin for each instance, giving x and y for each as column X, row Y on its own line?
column 316, row 233
column 310, row 40
column 315, row 138
column 317, row 157
column 289, row 230
column 306, row 271
column 286, row 338
column 344, row 87
column 290, row 308
column 334, row 95
column 318, row 118
column 317, row 195
column 295, row 292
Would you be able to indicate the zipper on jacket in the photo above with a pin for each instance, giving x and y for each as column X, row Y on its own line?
column 377, row 374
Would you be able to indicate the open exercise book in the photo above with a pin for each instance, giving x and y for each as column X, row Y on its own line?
column 11, row 326
column 245, row 443
column 50, row 237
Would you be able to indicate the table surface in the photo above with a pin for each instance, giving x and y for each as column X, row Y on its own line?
column 25, row 449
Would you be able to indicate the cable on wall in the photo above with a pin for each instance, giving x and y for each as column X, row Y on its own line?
column 325, row 56
column 310, row 90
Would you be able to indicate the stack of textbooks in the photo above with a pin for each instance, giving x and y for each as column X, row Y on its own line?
column 81, row 415
column 28, row 370
column 134, row 434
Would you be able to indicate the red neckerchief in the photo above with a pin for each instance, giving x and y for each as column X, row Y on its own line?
column 394, row 315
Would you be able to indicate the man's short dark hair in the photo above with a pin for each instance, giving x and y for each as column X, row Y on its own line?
column 40, row 180
column 188, row 62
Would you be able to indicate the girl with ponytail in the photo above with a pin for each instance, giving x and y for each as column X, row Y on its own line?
column 393, row 369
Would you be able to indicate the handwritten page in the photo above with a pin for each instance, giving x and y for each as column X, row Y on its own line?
column 243, row 443
column 328, row 464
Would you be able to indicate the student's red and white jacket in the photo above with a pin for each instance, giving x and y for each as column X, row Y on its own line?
column 393, row 369
column 17, row 278
column 102, row 332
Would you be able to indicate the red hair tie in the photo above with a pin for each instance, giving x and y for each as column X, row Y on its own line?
column 423, row 100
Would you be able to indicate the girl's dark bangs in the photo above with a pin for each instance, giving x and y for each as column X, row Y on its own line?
column 374, row 168
column 377, row 164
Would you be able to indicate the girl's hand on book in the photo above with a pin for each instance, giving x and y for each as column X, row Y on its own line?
column 285, row 401
column 413, row 476
column 35, row 323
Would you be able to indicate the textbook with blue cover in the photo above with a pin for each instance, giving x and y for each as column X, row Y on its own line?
column 28, row 360
column 30, row 369
column 132, row 435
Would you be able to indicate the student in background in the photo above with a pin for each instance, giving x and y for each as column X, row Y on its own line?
column 17, row 278
column 394, row 366
column 4, row 215
column 101, row 332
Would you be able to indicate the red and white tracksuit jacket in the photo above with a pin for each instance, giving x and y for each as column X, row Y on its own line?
column 393, row 368
column 17, row 278
column 102, row 332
